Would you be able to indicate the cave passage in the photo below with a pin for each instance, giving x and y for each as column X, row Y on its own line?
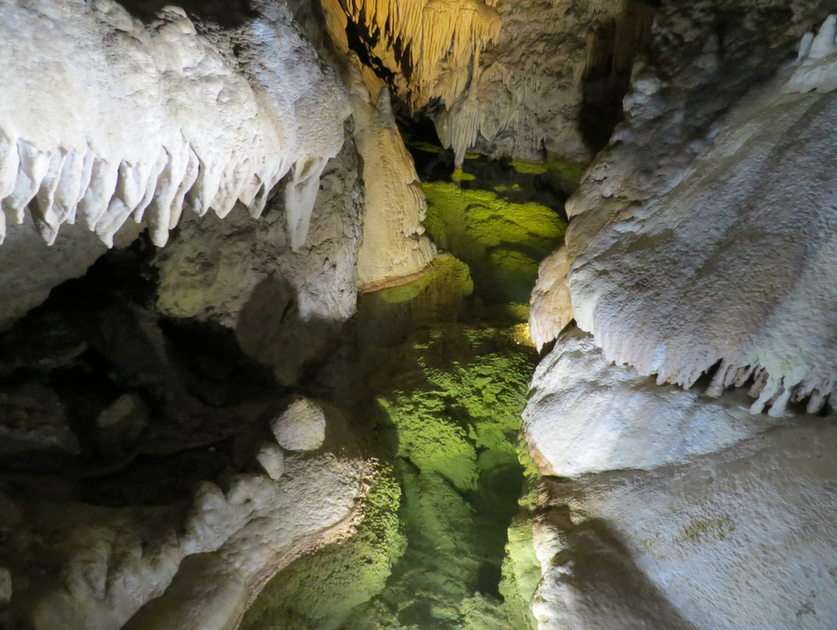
column 441, row 546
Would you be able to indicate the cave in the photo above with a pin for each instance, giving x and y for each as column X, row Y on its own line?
column 418, row 314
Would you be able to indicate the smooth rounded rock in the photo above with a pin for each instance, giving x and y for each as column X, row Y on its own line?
column 301, row 427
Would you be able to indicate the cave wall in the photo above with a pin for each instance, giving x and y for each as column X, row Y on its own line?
column 323, row 406
column 678, row 421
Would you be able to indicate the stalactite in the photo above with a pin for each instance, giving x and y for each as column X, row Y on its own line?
column 197, row 130
column 434, row 34
column 434, row 46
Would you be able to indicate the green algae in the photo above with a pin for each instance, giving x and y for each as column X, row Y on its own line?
column 501, row 241
column 462, row 176
column 529, row 168
column 454, row 421
column 446, row 274
column 427, row 147
column 321, row 590
column 439, row 292
column 521, row 574
column 440, row 544
column 566, row 174
column 429, row 440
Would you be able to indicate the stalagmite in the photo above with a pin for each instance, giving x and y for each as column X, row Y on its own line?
column 394, row 244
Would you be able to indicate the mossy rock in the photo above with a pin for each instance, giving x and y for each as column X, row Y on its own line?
column 319, row 592
column 446, row 277
column 501, row 241
column 450, row 404
column 454, row 413
column 566, row 174
column 429, row 439
column 521, row 574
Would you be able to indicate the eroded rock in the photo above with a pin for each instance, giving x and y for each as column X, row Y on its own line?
column 286, row 307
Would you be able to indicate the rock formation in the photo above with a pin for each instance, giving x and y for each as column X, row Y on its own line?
column 706, row 275
column 508, row 314
column 220, row 120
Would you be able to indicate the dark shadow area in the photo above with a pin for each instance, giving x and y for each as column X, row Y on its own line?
column 272, row 330
column 362, row 42
column 607, row 77
column 122, row 405
column 225, row 13
column 602, row 579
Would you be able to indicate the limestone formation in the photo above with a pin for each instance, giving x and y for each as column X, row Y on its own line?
column 684, row 281
column 147, row 566
column 286, row 307
column 534, row 83
column 633, row 423
column 394, row 242
column 682, row 546
column 551, row 302
column 29, row 269
column 272, row 460
column 319, row 420
column 301, row 427
column 431, row 47
column 695, row 265
column 162, row 117
column 817, row 59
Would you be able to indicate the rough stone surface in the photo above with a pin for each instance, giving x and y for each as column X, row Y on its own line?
column 29, row 269
column 551, row 303
column 683, row 547
column 32, row 420
column 121, row 424
column 394, row 242
column 667, row 500
column 147, row 567
column 696, row 258
column 530, row 88
column 685, row 280
column 587, row 416
column 301, row 427
column 286, row 307
column 394, row 245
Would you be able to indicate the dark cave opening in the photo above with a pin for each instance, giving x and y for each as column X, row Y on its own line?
column 611, row 53
column 96, row 343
